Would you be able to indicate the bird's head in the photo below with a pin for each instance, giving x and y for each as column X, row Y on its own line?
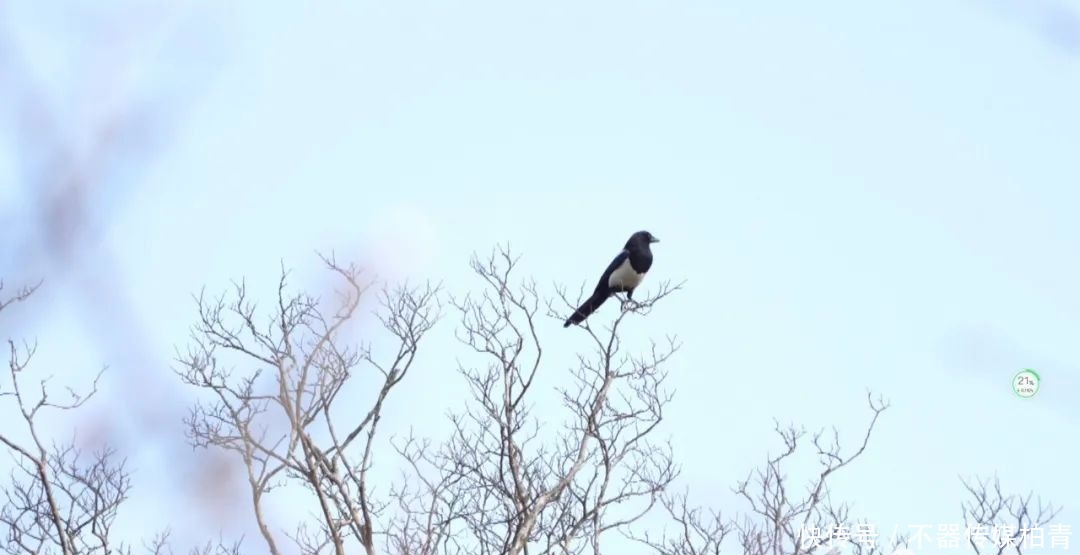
column 641, row 239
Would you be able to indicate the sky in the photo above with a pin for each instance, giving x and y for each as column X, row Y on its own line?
column 858, row 196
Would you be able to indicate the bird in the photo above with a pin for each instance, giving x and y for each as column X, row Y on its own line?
column 623, row 275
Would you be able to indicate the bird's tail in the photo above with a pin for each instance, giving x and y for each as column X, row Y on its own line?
column 587, row 308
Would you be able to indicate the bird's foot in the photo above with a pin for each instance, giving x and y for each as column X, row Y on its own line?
column 629, row 304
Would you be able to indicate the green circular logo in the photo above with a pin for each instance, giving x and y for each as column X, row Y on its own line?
column 1026, row 383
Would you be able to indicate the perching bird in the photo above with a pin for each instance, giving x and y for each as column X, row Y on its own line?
column 621, row 276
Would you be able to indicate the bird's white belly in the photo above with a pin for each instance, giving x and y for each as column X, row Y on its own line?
column 624, row 277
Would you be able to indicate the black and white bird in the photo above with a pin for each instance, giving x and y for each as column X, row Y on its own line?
column 623, row 275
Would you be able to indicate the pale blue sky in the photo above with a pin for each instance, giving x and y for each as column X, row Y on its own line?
column 859, row 195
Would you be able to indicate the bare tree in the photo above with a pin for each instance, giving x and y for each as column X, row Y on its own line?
column 783, row 518
column 508, row 482
column 997, row 522
column 279, row 415
column 60, row 497
column 779, row 517
column 505, row 481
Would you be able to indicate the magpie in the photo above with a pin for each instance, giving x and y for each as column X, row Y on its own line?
column 623, row 275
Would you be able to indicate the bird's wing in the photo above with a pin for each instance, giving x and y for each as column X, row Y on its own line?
column 619, row 259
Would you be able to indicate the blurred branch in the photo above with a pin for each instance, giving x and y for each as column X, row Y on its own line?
column 79, row 145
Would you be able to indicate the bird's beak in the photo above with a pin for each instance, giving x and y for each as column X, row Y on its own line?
column 653, row 239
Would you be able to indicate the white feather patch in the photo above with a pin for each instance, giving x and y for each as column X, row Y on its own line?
column 624, row 277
